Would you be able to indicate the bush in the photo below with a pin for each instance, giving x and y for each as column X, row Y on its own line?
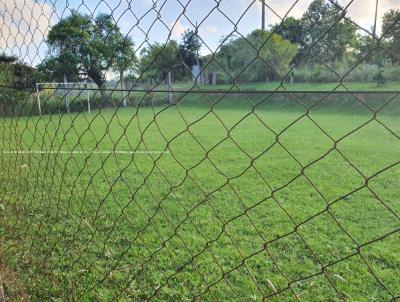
column 361, row 73
column 313, row 74
column 379, row 78
column 392, row 73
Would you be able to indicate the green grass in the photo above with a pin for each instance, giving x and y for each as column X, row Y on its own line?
column 227, row 214
column 355, row 86
column 54, row 104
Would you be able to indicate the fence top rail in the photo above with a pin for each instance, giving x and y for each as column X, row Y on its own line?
column 244, row 91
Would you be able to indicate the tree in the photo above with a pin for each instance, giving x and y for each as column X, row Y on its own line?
column 276, row 54
column 18, row 80
column 189, row 47
column 6, row 59
column 125, row 60
column 16, row 74
column 260, row 56
column 80, row 45
column 157, row 59
column 290, row 29
column 369, row 52
column 325, row 29
column 391, row 29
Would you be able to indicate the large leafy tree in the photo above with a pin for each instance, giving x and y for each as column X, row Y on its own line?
column 15, row 74
column 18, row 81
column 368, row 50
column 325, row 29
column 189, row 47
column 391, row 29
column 290, row 29
column 157, row 60
column 80, row 45
column 260, row 56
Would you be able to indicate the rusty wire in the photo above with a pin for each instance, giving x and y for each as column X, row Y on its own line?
column 56, row 208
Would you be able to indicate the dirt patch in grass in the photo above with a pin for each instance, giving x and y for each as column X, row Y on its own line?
column 10, row 288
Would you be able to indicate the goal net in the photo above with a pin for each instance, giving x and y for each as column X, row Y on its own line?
column 64, row 93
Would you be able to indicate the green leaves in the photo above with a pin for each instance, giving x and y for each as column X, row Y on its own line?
column 190, row 47
column 158, row 59
column 391, row 31
column 327, row 31
column 260, row 56
column 80, row 45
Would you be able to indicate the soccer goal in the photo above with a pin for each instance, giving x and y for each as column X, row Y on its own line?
column 67, row 91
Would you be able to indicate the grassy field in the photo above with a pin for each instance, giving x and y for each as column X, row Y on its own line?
column 53, row 102
column 356, row 86
column 247, row 202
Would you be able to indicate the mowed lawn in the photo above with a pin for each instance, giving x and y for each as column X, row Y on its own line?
column 246, row 203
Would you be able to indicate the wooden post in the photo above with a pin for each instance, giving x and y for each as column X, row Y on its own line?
column 38, row 99
column 292, row 76
column 214, row 78
column 170, row 94
column 121, row 78
column 66, row 93
column 88, row 95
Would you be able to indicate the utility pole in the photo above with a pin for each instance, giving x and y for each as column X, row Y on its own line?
column 376, row 17
column 197, row 44
column 198, row 78
column 263, row 14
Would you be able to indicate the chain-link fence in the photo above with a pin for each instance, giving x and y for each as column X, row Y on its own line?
column 211, row 150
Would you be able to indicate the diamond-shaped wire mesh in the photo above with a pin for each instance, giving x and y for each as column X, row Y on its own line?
column 172, row 150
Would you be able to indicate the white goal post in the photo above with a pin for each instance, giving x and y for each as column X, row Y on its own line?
column 67, row 89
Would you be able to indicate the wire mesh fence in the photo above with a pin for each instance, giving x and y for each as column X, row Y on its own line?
column 172, row 150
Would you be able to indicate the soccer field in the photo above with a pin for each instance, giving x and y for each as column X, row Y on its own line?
column 210, row 203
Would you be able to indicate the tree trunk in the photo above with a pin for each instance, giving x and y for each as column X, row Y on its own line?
column 99, row 80
column 121, row 78
column 214, row 78
column 102, row 92
column 334, row 68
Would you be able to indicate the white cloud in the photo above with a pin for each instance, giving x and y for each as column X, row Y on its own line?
column 212, row 29
column 177, row 29
column 204, row 31
column 277, row 9
column 361, row 11
column 24, row 25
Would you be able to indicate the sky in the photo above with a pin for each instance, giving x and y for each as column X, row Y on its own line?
column 24, row 24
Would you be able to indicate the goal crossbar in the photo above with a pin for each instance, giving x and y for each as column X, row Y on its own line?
column 63, row 85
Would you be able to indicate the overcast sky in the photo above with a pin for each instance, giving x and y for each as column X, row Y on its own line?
column 25, row 23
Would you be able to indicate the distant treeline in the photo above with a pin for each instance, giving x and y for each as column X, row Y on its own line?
column 322, row 46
